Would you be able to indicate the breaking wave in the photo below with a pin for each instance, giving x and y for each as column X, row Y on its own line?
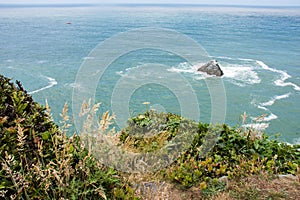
column 283, row 76
column 51, row 82
column 247, row 72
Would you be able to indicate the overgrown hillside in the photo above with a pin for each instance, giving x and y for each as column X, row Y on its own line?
column 237, row 152
column 38, row 160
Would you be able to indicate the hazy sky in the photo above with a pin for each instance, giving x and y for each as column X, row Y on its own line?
column 222, row 2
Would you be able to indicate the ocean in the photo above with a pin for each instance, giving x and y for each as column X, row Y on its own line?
column 258, row 48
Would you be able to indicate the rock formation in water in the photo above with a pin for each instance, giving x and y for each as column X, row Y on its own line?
column 212, row 68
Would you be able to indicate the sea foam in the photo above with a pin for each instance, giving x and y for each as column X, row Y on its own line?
column 242, row 74
column 273, row 100
column 283, row 76
column 51, row 82
column 257, row 126
column 265, row 118
column 237, row 74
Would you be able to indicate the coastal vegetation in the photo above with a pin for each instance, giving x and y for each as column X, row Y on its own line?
column 239, row 153
column 39, row 160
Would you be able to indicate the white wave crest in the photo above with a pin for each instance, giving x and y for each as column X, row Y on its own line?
column 229, row 58
column 262, row 107
column 237, row 74
column 265, row 118
column 184, row 68
column 273, row 100
column 52, row 82
column 270, row 117
column 88, row 58
column 120, row 73
column 241, row 73
column 257, row 126
column 42, row 61
column 283, row 76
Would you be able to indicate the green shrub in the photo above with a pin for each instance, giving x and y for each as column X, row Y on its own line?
column 145, row 133
column 237, row 152
column 151, row 131
column 38, row 160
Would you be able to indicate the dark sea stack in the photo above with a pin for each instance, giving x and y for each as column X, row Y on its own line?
column 212, row 68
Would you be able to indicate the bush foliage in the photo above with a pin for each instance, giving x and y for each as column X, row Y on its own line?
column 237, row 152
column 38, row 160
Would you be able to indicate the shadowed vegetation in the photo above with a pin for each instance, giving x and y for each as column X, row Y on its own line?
column 38, row 160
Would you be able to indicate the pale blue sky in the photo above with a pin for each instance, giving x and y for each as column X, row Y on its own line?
column 222, row 2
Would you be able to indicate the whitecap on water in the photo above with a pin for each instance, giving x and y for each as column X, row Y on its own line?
column 283, row 76
column 273, row 100
column 88, row 58
column 120, row 73
column 240, row 75
column 29, row 79
column 183, row 68
column 42, row 61
column 190, row 69
column 242, row 72
column 270, row 117
column 266, row 118
column 51, row 82
column 245, row 72
column 257, row 126
column 127, row 72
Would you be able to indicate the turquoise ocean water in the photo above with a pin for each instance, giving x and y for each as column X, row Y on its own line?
column 257, row 47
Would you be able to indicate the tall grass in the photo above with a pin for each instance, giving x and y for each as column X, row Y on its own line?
column 39, row 160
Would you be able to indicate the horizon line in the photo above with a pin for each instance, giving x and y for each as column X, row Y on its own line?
column 141, row 5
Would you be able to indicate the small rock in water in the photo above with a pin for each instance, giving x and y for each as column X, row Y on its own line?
column 212, row 68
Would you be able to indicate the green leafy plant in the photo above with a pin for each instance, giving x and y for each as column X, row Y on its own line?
column 237, row 152
column 150, row 131
column 39, row 161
